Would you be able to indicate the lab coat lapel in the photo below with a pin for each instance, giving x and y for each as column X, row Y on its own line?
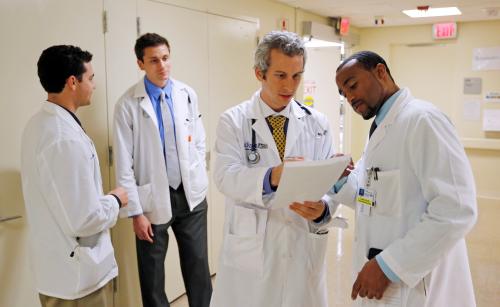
column 379, row 133
column 295, row 127
column 180, row 103
column 145, row 103
column 261, row 128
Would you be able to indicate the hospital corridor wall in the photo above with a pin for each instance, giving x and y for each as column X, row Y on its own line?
column 212, row 50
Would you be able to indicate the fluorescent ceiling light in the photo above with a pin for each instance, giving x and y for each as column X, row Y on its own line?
column 433, row 12
column 314, row 43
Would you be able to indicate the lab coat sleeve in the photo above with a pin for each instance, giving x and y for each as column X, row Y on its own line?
column 232, row 177
column 347, row 193
column 445, row 178
column 69, row 186
column 123, row 143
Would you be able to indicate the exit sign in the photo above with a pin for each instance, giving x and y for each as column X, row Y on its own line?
column 444, row 30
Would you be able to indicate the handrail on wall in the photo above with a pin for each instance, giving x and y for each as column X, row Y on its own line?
column 480, row 143
column 9, row 218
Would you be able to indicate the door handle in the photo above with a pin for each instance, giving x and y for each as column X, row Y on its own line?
column 9, row 218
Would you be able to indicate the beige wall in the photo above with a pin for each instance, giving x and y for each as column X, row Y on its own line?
column 482, row 148
column 52, row 22
column 267, row 12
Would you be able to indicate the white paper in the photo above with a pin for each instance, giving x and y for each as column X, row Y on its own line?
column 472, row 110
column 486, row 58
column 307, row 180
column 491, row 120
column 492, row 97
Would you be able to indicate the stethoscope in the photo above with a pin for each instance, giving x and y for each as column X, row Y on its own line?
column 253, row 156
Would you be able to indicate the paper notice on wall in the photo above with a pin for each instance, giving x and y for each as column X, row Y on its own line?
column 309, row 91
column 486, row 58
column 472, row 110
column 492, row 97
column 491, row 120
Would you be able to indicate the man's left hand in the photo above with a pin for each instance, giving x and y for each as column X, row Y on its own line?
column 371, row 282
column 310, row 210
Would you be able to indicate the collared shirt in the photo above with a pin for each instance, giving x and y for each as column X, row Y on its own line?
column 386, row 106
column 154, row 93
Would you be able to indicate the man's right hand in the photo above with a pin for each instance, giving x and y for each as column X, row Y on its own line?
column 122, row 194
column 348, row 169
column 277, row 170
column 142, row 228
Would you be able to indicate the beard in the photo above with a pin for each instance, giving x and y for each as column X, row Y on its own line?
column 370, row 112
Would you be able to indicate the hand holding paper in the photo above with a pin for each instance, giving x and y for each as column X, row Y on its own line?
column 307, row 180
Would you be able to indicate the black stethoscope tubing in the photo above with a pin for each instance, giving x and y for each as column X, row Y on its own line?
column 253, row 156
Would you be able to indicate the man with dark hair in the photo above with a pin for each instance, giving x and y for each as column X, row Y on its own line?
column 413, row 192
column 68, row 215
column 159, row 144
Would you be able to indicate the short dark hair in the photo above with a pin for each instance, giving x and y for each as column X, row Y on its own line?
column 57, row 63
column 148, row 40
column 368, row 59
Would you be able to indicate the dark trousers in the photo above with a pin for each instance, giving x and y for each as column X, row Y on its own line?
column 190, row 230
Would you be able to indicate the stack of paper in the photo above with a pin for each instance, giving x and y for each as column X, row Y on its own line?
column 307, row 180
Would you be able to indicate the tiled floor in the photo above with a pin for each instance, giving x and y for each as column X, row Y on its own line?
column 484, row 255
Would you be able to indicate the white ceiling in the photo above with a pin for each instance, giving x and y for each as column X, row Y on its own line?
column 362, row 13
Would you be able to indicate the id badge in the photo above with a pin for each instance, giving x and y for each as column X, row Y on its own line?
column 365, row 200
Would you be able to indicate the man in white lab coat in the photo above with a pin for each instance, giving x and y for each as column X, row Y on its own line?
column 271, row 257
column 413, row 192
column 68, row 215
column 159, row 143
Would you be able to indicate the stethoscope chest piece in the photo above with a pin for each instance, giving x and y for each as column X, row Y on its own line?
column 253, row 157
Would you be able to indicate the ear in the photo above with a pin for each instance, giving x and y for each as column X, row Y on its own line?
column 71, row 82
column 260, row 76
column 140, row 63
column 381, row 71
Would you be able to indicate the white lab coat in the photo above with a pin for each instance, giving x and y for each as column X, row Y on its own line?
column 68, row 215
column 140, row 164
column 268, row 257
column 425, row 205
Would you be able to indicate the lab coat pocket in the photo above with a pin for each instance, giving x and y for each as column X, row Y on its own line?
column 198, row 178
column 96, row 261
column 316, row 251
column 388, row 197
column 145, row 197
column 244, row 243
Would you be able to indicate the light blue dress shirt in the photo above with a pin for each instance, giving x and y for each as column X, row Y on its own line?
column 154, row 93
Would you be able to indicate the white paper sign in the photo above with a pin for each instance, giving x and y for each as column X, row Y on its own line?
column 492, row 97
column 491, row 120
column 486, row 58
column 472, row 110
